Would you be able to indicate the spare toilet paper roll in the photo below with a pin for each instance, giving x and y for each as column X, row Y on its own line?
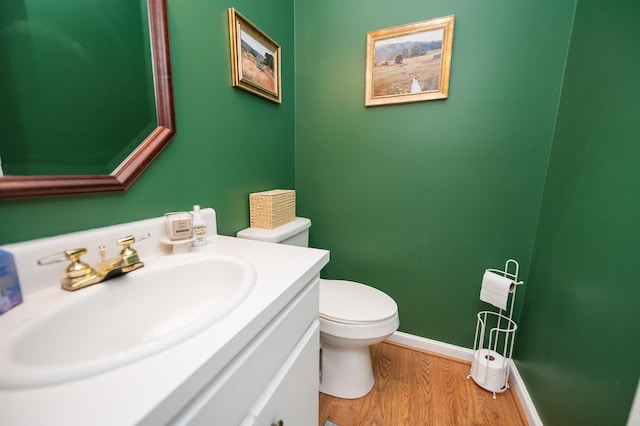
column 495, row 289
column 489, row 369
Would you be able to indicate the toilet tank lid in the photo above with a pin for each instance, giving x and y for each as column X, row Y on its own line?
column 276, row 235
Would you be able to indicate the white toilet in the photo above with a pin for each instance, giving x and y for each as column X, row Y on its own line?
column 353, row 316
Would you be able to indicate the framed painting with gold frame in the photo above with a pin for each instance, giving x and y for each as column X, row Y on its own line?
column 409, row 63
column 255, row 58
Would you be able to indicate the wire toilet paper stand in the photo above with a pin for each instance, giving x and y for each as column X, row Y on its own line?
column 494, row 338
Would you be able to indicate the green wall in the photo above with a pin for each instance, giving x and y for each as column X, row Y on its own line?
column 418, row 199
column 580, row 329
column 229, row 142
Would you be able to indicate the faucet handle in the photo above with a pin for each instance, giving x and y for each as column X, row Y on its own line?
column 76, row 268
column 130, row 239
column 73, row 255
column 128, row 254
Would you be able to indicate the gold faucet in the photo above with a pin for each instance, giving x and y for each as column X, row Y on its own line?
column 80, row 275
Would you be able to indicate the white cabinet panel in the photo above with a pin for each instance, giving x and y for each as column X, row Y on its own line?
column 227, row 399
column 292, row 396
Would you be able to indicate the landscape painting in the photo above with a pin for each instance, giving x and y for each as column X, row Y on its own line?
column 409, row 63
column 255, row 58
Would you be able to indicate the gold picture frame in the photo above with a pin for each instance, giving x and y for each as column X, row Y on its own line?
column 409, row 63
column 255, row 58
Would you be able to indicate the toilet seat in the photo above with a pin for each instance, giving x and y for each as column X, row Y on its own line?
column 348, row 302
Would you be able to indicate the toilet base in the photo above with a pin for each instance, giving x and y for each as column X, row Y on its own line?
column 346, row 372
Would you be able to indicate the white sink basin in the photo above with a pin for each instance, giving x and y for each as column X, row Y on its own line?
column 117, row 322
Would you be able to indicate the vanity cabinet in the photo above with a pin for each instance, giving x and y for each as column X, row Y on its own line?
column 272, row 380
column 257, row 364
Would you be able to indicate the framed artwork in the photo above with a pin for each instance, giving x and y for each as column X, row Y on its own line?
column 255, row 58
column 409, row 63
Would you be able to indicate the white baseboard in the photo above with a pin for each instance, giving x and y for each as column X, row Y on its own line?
column 634, row 414
column 523, row 395
column 457, row 352
column 466, row 354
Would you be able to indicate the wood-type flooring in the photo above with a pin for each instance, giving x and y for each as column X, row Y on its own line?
column 418, row 388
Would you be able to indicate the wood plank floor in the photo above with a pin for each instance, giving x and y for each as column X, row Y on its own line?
column 417, row 388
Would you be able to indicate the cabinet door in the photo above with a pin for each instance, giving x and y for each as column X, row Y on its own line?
column 291, row 398
column 226, row 400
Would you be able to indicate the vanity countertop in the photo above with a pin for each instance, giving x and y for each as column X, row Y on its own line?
column 152, row 390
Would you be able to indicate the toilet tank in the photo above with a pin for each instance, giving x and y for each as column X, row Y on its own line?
column 295, row 233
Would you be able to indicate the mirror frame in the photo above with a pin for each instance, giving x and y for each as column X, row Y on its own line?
column 13, row 187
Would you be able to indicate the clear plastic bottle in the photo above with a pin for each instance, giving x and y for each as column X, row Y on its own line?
column 199, row 228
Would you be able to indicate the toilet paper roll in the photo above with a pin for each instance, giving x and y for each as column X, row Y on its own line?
column 489, row 369
column 495, row 289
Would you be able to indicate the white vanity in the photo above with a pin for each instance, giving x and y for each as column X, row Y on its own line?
column 253, row 363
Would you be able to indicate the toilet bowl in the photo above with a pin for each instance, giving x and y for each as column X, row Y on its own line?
column 353, row 316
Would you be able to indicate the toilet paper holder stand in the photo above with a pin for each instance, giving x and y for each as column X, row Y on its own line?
column 494, row 338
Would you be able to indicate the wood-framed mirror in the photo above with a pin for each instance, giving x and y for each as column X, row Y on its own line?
column 152, row 141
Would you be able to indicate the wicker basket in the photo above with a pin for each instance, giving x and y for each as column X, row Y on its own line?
column 270, row 209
